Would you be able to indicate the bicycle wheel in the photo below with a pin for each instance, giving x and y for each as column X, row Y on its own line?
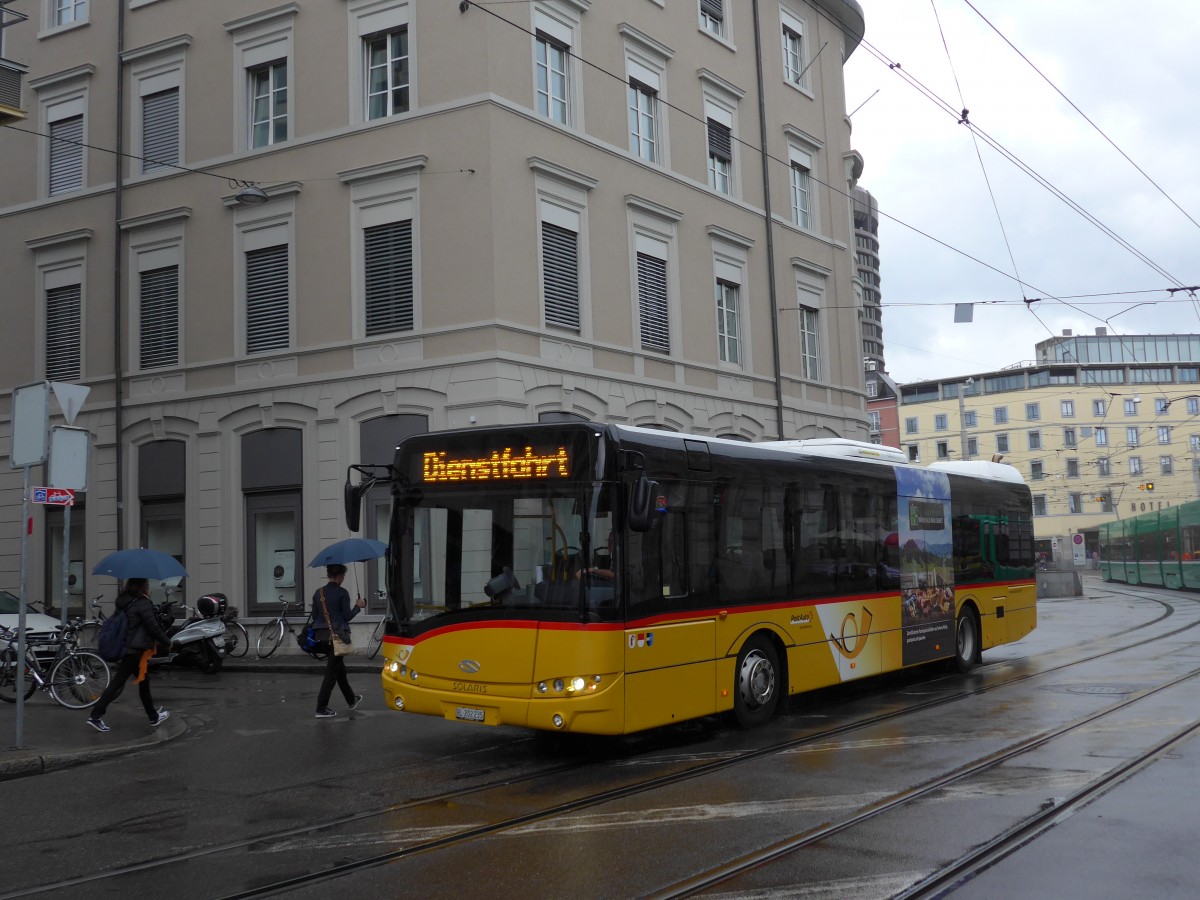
column 8, row 676
column 269, row 638
column 376, row 639
column 237, row 640
column 78, row 679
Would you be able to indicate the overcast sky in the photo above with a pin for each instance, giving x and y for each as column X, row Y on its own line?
column 1133, row 69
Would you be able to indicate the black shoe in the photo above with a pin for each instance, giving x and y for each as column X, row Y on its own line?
column 325, row 713
column 357, row 700
column 98, row 724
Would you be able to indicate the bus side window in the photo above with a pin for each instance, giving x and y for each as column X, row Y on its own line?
column 656, row 560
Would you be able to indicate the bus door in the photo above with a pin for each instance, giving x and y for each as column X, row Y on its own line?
column 670, row 671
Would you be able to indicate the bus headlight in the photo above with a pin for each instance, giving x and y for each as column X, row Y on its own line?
column 558, row 721
column 577, row 684
column 394, row 667
column 558, row 685
column 542, row 687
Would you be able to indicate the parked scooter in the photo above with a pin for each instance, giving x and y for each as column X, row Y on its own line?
column 199, row 641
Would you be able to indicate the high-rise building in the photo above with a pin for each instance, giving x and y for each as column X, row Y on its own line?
column 275, row 238
column 866, row 257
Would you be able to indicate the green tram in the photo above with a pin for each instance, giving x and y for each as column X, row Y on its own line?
column 1160, row 548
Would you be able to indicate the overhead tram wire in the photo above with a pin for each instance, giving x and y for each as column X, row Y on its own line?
column 978, row 153
column 896, row 68
column 1084, row 115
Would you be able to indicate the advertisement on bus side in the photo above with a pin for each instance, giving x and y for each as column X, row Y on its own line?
column 926, row 564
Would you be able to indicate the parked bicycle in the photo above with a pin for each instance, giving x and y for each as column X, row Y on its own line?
column 87, row 631
column 272, row 634
column 74, row 677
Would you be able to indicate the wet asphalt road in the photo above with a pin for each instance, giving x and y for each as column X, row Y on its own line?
column 257, row 791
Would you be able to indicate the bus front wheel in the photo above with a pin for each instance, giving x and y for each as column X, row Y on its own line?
column 757, row 680
column 966, row 640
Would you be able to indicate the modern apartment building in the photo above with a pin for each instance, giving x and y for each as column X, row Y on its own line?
column 1101, row 426
column 274, row 239
column 866, row 258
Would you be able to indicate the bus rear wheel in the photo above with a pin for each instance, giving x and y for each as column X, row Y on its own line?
column 966, row 640
column 756, row 682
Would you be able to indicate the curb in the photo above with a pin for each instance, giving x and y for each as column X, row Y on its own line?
column 43, row 763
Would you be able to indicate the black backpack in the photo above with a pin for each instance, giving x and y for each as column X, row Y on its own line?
column 110, row 642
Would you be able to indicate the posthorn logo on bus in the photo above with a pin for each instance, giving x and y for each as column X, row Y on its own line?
column 470, row 666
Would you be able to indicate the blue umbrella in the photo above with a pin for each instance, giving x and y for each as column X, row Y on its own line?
column 348, row 551
column 139, row 562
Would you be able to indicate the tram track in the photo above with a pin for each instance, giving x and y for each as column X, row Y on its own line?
column 635, row 788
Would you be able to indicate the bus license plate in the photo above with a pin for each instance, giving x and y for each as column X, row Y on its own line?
column 468, row 714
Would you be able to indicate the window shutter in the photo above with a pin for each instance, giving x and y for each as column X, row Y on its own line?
column 159, row 317
column 66, row 155
column 160, row 130
column 267, row 302
column 62, row 333
column 712, row 8
column 720, row 141
column 388, row 272
column 652, row 303
column 560, row 274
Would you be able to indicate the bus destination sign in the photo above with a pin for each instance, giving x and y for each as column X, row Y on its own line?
column 501, row 465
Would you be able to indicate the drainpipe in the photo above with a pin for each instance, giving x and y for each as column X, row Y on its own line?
column 118, row 197
column 766, row 181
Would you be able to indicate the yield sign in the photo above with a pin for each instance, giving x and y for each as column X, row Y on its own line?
column 54, row 496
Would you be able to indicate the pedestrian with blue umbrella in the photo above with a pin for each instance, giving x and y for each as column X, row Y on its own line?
column 143, row 633
column 332, row 612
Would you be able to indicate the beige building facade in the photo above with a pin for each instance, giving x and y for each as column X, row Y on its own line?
column 1101, row 426
column 299, row 232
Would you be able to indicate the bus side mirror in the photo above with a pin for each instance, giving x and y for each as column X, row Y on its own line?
column 641, row 503
column 352, row 495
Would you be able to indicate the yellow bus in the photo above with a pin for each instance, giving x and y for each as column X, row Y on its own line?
column 605, row 579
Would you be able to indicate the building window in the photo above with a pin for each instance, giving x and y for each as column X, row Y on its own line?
column 910, row 425
column 653, row 311
column 1101, row 436
column 643, row 112
column 728, row 335
column 970, row 419
column 1194, row 443
column 1033, row 411
column 1135, row 465
column 1164, row 434
column 1098, row 408
column 1072, row 468
column 560, row 275
column 1074, row 503
column 158, row 317
column 940, row 422
column 387, row 73
column 1166, row 465
column 1104, row 466
column 1193, row 406
column 943, row 450
column 269, row 104
column 1131, row 437
column 551, row 61
column 66, row 154
column 1160, row 406
column 712, row 16
column 160, row 130
column 1039, row 504
column 64, row 311
column 1000, row 415
column 1131, row 407
column 873, row 421
column 800, row 195
column 272, row 473
column 1035, row 470
column 793, row 51
column 720, row 156
column 810, row 344
column 1068, row 408
column 914, row 453
column 268, row 299
column 68, row 11
column 972, row 447
column 872, row 388
column 1035, row 440
column 1002, row 443
column 388, row 277
column 1069, row 437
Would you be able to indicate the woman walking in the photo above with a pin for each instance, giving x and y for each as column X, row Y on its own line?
column 143, row 635
column 334, row 599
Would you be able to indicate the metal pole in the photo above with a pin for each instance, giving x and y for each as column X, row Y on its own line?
column 20, row 661
column 66, row 561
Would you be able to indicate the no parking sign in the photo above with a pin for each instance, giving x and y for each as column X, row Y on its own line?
column 1079, row 556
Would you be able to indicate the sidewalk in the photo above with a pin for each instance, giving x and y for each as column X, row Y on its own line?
column 57, row 738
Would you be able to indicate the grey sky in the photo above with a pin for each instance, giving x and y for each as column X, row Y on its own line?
column 1131, row 68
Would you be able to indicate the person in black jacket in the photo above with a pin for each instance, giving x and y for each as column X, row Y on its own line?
column 336, row 599
column 143, row 636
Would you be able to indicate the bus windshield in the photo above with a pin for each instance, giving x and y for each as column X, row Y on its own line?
column 538, row 551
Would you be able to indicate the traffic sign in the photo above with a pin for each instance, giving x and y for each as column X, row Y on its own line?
column 54, row 496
